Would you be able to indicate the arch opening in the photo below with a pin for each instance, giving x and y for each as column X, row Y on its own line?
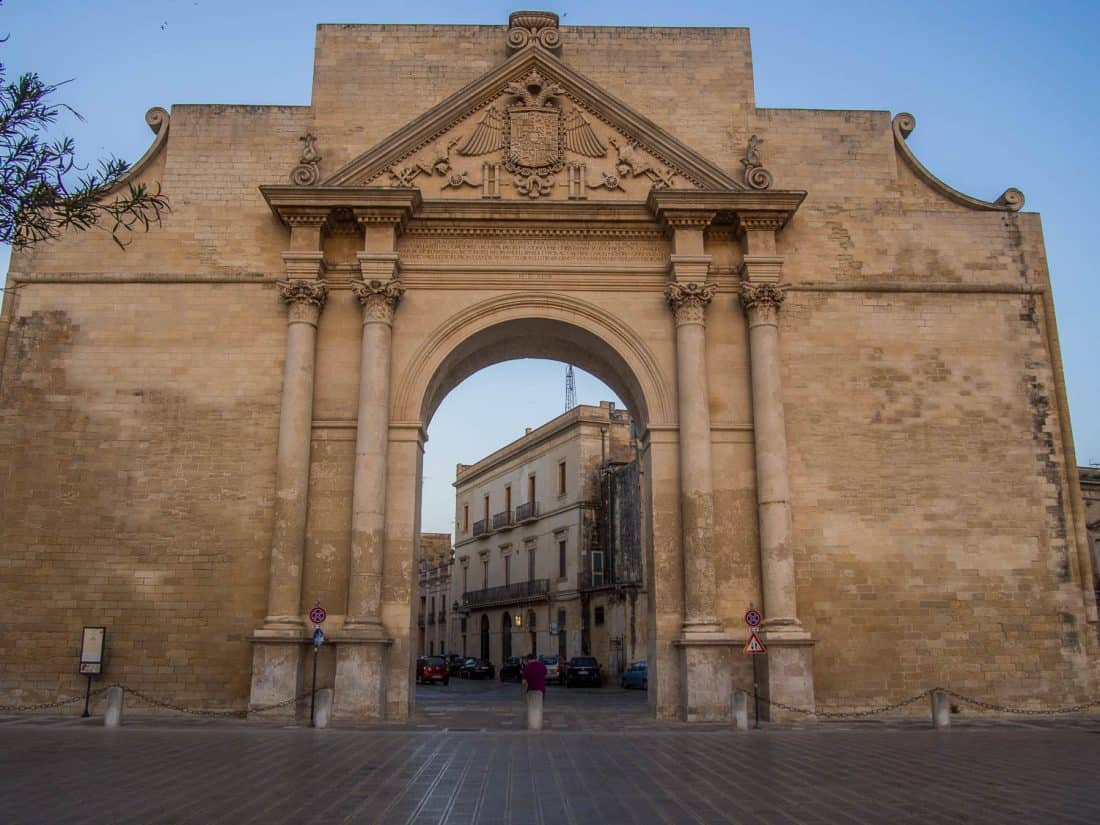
column 535, row 338
column 550, row 614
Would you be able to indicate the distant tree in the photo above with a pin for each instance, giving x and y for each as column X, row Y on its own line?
column 43, row 192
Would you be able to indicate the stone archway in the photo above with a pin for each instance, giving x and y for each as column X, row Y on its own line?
column 616, row 324
column 545, row 325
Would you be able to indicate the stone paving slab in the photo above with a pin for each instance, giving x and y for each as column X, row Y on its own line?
column 462, row 759
column 243, row 774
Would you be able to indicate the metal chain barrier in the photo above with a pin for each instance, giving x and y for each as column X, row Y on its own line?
column 151, row 700
column 844, row 714
column 47, row 705
column 239, row 714
column 1024, row 711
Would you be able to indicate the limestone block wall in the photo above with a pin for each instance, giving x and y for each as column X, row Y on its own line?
column 137, row 441
column 934, row 543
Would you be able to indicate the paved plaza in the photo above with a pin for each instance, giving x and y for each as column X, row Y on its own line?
column 464, row 758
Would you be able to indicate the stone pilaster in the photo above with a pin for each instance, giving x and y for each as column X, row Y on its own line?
column 360, row 660
column 788, row 676
column 705, row 649
column 278, row 643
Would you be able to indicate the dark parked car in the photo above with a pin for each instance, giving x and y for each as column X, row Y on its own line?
column 454, row 664
column 478, row 669
column 512, row 669
column 583, row 670
column 432, row 669
column 637, row 676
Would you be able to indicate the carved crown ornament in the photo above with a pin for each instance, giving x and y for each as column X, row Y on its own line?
column 526, row 27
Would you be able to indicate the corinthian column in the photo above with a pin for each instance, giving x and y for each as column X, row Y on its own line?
column 368, row 527
column 689, row 302
column 304, row 300
column 761, row 302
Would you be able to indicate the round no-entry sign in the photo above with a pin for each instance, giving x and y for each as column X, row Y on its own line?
column 753, row 618
column 318, row 615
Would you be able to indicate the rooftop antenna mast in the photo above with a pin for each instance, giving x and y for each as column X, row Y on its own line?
column 570, row 389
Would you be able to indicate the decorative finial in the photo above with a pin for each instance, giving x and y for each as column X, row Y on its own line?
column 538, row 26
column 308, row 170
column 756, row 176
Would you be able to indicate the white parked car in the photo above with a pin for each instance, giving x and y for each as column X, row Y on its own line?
column 553, row 668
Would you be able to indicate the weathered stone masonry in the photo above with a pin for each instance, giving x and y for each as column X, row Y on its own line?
column 845, row 376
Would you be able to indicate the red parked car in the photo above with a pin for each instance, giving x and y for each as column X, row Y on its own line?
column 432, row 669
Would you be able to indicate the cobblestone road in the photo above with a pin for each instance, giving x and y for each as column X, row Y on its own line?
column 603, row 763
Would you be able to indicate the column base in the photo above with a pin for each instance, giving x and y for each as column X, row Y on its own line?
column 360, row 678
column 788, row 674
column 706, row 662
column 276, row 672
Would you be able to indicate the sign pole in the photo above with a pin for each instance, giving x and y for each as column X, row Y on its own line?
column 313, row 691
column 755, row 697
column 317, row 615
column 754, row 647
column 87, row 698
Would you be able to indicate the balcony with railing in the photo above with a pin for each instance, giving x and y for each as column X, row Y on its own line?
column 528, row 511
column 481, row 528
column 503, row 521
column 535, row 589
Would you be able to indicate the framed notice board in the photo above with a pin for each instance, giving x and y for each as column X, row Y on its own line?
column 91, row 650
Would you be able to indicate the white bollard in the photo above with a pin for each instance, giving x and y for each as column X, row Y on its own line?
column 941, row 710
column 534, row 710
column 740, row 710
column 322, row 712
column 113, row 717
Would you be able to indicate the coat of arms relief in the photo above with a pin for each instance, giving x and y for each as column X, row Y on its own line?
column 536, row 142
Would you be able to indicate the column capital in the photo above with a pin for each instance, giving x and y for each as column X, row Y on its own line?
column 304, row 299
column 304, row 265
column 688, row 301
column 761, row 301
column 379, row 298
column 395, row 216
column 749, row 220
column 305, row 216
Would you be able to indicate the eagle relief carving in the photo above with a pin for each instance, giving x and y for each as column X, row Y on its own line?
column 532, row 134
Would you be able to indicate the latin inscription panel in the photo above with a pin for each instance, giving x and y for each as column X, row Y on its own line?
column 522, row 250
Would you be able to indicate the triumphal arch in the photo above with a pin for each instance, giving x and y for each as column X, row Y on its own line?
column 845, row 376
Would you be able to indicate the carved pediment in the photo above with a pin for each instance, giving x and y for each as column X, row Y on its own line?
column 532, row 129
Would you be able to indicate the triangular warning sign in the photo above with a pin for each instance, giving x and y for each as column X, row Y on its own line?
column 754, row 645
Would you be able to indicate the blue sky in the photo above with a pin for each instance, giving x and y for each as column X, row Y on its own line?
column 1004, row 93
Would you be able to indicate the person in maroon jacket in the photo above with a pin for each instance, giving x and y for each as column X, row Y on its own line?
column 534, row 675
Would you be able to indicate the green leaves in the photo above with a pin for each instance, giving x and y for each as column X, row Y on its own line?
column 43, row 192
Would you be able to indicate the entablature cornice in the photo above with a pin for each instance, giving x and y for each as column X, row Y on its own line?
column 293, row 203
column 730, row 206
